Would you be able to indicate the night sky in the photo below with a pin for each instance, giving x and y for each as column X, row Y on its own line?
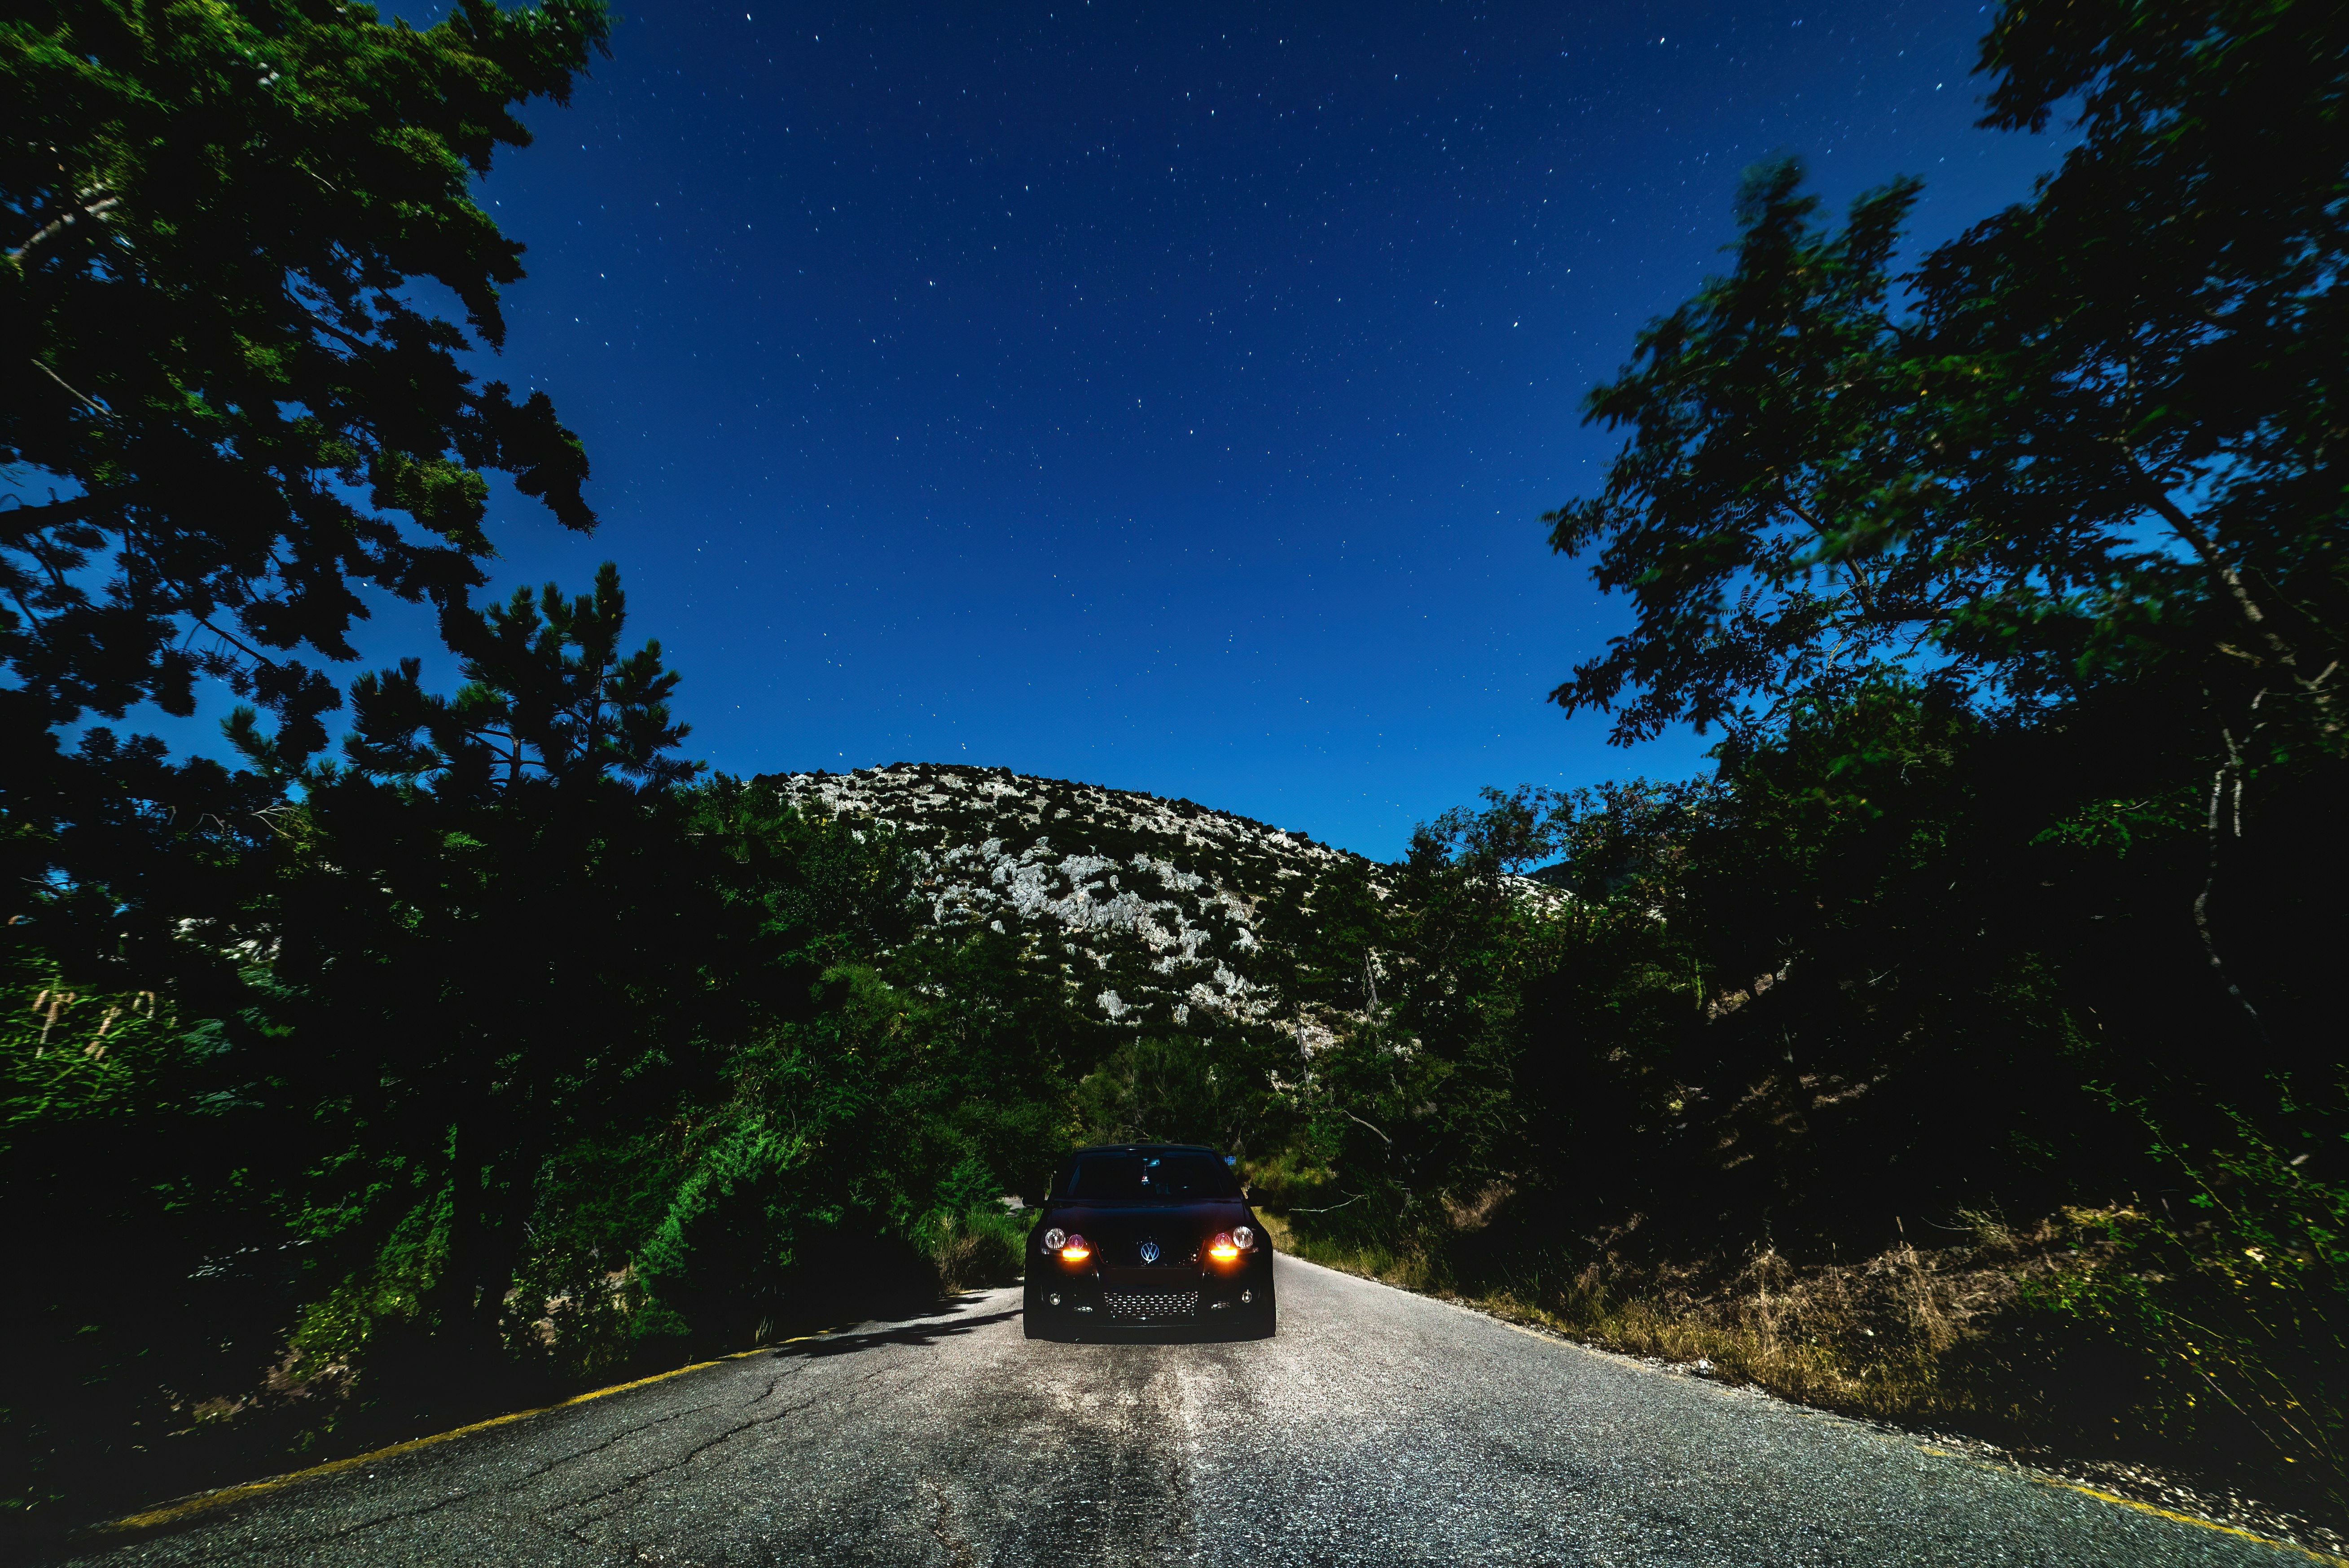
column 1162, row 397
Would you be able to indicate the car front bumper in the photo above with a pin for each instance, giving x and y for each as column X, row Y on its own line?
column 1149, row 1296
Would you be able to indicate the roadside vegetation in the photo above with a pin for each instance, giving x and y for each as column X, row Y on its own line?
column 1968, row 1044
column 1962, row 1045
column 495, row 1050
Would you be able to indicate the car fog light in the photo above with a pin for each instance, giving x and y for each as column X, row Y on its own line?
column 1053, row 1238
column 1243, row 1238
column 1055, row 1298
column 1247, row 1296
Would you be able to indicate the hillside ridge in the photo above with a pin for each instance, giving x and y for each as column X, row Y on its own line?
column 1157, row 909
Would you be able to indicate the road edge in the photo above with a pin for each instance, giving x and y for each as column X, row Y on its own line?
column 187, row 1507
column 1923, row 1442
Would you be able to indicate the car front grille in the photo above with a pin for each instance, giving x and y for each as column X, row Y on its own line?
column 1137, row 1306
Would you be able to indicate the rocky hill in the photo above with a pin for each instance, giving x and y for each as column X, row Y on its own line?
column 1157, row 908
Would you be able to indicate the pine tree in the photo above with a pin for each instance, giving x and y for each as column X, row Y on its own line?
column 227, row 407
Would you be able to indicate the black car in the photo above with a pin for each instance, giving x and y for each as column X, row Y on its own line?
column 1147, row 1235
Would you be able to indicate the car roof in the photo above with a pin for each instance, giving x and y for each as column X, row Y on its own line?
column 1141, row 1149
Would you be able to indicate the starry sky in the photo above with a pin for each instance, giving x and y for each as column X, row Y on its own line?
column 1161, row 396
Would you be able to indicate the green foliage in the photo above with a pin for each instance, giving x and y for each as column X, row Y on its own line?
column 220, row 214
column 239, row 400
column 856, row 1146
column 1898, row 960
column 2015, row 582
column 548, row 695
column 70, row 1055
column 532, row 1075
column 1464, row 1065
column 511, row 901
column 2065, row 448
column 727, row 1241
column 2220, row 1323
column 1758, row 516
column 976, row 1248
column 1181, row 1089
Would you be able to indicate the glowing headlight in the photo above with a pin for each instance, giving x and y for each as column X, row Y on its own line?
column 1053, row 1238
column 1075, row 1249
column 1223, row 1249
column 1243, row 1238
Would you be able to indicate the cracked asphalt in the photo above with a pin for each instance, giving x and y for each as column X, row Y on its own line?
column 1379, row 1428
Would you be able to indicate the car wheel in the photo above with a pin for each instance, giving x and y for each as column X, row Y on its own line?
column 1256, row 1324
column 1033, row 1323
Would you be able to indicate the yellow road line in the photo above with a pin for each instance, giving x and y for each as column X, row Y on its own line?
column 177, row 1510
column 2311, row 1553
column 194, row 1505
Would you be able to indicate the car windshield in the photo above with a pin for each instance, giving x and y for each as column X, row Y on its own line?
column 1149, row 1176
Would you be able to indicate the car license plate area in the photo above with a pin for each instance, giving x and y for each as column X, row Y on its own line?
column 1149, row 1306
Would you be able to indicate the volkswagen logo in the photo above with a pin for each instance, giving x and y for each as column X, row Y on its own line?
column 1150, row 1252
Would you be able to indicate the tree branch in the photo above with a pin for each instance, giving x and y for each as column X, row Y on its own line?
column 356, row 344
column 2229, row 580
column 55, row 226
column 253, row 653
column 2229, row 773
column 96, row 407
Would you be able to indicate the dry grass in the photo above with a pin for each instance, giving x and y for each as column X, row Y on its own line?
column 1882, row 1337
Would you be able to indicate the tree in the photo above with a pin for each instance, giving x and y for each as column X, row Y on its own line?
column 2163, row 324
column 2094, row 440
column 1752, row 516
column 2106, row 423
column 492, row 934
column 229, row 408
column 548, row 699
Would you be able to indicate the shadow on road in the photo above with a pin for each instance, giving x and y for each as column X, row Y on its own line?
column 945, row 1323
column 1208, row 1333
column 927, row 1330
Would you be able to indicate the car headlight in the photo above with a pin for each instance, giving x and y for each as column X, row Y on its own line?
column 1223, row 1249
column 1075, row 1249
column 1053, row 1238
column 1243, row 1238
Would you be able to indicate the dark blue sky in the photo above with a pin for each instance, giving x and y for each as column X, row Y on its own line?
column 1165, row 396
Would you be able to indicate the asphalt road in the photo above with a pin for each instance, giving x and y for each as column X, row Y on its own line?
column 1378, row 1427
